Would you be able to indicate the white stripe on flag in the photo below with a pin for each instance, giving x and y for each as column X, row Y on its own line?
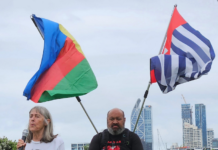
column 163, row 79
column 188, row 68
column 187, row 49
column 174, row 69
column 204, row 67
column 182, row 80
column 195, row 39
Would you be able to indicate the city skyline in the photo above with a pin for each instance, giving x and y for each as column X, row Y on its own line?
column 207, row 134
column 144, row 127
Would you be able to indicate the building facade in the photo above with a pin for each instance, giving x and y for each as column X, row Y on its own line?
column 186, row 117
column 210, row 136
column 78, row 146
column 192, row 136
column 215, row 143
column 174, row 145
column 144, row 128
column 200, row 121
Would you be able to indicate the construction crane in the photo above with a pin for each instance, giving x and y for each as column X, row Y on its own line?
column 184, row 99
column 159, row 142
column 186, row 103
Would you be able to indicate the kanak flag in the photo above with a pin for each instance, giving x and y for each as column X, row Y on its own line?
column 186, row 56
column 64, row 70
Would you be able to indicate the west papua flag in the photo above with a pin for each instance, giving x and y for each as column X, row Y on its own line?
column 186, row 56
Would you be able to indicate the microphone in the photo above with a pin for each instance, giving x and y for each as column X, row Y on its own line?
column 24, row 135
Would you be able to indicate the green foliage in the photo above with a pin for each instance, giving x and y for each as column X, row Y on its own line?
column 6, row 144
column 86, row 147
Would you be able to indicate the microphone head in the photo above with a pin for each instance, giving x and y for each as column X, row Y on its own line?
column 25, row 132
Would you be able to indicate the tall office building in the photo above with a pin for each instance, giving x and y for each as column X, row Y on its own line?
column 200, row 121
column 192, row 136
column 144, row 128
column 186, row 117
column 210, row 136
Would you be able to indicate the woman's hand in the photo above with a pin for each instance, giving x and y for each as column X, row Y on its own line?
column 20, row 143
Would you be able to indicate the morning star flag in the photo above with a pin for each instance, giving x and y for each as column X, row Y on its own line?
column 186, row 56
column 64, row 70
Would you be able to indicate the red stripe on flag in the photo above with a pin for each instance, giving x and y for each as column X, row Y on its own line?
column 175, row 22
column 153, row 79
column 68, row 58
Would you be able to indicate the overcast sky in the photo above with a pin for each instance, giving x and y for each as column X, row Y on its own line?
column 118, row 37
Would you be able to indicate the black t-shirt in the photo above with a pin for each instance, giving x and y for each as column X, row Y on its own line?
column 115, row 142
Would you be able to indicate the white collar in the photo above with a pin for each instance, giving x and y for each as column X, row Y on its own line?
column 36, row 142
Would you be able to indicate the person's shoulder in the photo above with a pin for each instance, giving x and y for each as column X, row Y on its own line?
column 58, row 139
column 98, row 135
column 132, row 134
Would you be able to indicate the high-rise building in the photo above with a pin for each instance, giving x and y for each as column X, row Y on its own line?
column 192, row 136
column 210, row 136
column 200, row 121
column 186, row 116
column 78, row 146
column 148, row 127
column 186, row 113
column 144, row 127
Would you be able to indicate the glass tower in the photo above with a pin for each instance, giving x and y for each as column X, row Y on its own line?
column 186, row 118
column 200, row 120
column 144, row 126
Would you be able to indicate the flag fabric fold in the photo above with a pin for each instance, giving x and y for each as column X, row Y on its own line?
column 186, row 56
column 64, row 70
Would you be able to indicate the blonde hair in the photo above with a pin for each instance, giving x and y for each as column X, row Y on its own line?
column 48, row 135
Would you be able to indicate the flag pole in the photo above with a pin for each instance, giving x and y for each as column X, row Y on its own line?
column 79, row 100
column 149, row 84
column 77, row 97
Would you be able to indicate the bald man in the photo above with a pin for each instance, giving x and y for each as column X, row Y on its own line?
column 116, row 136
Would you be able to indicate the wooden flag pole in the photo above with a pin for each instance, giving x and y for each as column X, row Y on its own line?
column 149, row 84
column 77, row 97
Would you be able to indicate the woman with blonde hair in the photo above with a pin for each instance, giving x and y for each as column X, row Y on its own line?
column 41, row 132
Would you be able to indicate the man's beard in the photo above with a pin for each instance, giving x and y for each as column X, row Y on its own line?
column 115, row 132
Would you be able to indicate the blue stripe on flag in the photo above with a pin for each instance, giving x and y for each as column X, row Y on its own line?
column 168, row 70
column 201, row 37
column 196, row 33
column 162, row 87
column 191, row 44
column 192, row 75
column 178, row 51
column 155, row 64
column 194, row 65
column 182, row 65
column 188, row 55
column 207, row 69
